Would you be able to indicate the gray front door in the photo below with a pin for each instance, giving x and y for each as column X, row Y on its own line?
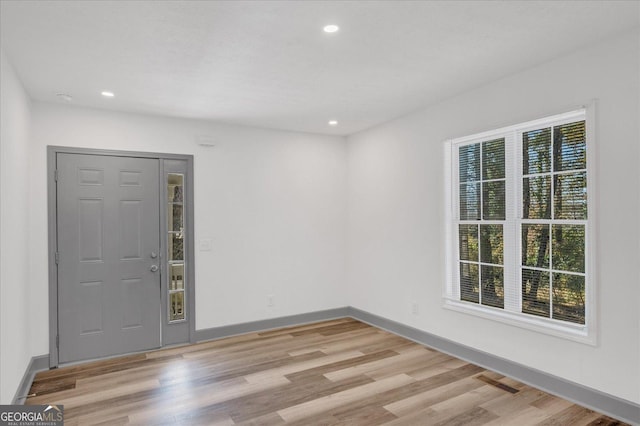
column 108, row 255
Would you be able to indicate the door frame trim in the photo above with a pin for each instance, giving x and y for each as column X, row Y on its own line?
column 52, row 220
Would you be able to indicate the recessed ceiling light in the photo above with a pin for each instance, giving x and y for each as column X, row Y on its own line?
column 107, row 94
column 331, row 28
column 333, row 122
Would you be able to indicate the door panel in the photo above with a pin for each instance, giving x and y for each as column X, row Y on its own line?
column 108, row 226
column 90, row 229
column 90, row 298
column 130, row 228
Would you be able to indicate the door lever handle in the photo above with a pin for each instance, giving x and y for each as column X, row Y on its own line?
column 154, row 268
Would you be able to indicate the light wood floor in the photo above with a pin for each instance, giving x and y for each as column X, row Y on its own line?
column 340, row 372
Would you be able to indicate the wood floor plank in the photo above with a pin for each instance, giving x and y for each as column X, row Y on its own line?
column 575, row 414
column 605, row 421
column 330, row 373
column 301, row 366
column 423, row 400
column 449, row 409
column 210, row 396
column 257, row 405
column 527, row 416
column 373, row 416
column 420, row 359
column 330, row 330
column 373, row 366
column 256, row 370
column 177, row 396
column 364, row 340
column 73, row 369
column 434, row 366
column 551, row 404
column 509, row 403
column 497, row 383
column 472, row 417
column 339, row 365
column 75, row 397
column 329, row 402
column 270, row 419
column 304, row 327
column 392, row 395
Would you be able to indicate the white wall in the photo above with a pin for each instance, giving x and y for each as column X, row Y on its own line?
column 273, row 202
column 15, row 121
column 396, row 213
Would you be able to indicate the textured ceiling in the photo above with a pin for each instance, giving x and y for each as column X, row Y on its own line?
column 269, row 64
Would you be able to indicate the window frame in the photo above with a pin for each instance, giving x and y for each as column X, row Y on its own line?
column 512, row 312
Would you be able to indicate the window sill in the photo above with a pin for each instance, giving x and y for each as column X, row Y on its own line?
column 575, row 332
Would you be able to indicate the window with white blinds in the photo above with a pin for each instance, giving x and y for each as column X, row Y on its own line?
column 519, row 225
column 481, row 226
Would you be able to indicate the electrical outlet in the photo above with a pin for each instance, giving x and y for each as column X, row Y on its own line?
column 415, row 309
column 270, row 300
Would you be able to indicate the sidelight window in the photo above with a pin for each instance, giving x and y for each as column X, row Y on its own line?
column 175, row 246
